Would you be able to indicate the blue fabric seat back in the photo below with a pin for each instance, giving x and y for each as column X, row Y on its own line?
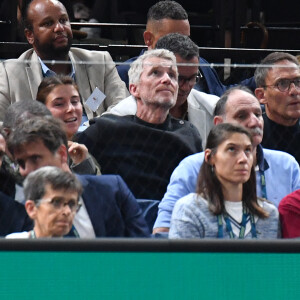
column 149, row 209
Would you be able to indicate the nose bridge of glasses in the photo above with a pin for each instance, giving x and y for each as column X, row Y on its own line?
column 61, row 204
column 291, row 87
column 67, row 206
column 72, row 205
column 295, row 83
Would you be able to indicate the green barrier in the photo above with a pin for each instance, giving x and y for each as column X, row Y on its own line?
column 142, row 274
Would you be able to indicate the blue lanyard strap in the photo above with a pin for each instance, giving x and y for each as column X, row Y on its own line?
column 229, row 227
column 220, row 226
column 263, row 184
column 75, row 232
column 253, row 227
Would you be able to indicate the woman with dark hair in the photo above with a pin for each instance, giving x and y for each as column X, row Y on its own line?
column 225, row 205
column 61, row 96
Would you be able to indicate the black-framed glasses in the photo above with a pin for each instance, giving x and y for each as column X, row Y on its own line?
column 284, row 85
column 59, row 203
column 191, row 80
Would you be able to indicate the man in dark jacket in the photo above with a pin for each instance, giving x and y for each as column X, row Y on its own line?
column 109, row 208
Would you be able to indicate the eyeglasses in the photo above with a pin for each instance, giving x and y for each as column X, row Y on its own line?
column 284, row 85
column 191, row 80
column 58, row 203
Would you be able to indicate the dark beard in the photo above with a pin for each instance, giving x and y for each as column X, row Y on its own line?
column 49, row 52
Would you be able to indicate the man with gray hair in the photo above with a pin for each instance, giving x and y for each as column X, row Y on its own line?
column 278, row 89
column 192, row 105
column 145, row 148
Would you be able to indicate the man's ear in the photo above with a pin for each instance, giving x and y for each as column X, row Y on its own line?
column 29, row 36
column 260, row 95
column 30, row 209
column 218, row 120
column 148, row 39
column 134, row 90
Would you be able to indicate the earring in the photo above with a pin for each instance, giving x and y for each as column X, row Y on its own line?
column 212, row 169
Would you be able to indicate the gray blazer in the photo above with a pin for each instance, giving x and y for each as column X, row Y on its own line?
column 20, row 78
column 200, row 111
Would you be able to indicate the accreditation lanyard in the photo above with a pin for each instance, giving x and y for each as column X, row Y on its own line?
column 243, row 225
column 263, row 184
column 74, row 231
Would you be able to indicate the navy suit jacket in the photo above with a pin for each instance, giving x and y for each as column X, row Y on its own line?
column 13, row 216
column 214, row 84
column 112, row 208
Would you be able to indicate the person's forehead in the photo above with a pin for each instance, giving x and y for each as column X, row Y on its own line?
column 190, row 67
column 64, row 193
column 241, row 100
column 64, row 89
column 283, row 69
column 180, row 60
column 30, row 148
column 156, row 62
column 285, row 64
column 237, row 138
column 166, row 26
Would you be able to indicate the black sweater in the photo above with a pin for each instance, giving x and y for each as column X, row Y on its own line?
column 144, row 154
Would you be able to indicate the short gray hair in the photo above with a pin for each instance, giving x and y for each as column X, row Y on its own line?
column 273, row 58
column 35, row 183
column 136, row 68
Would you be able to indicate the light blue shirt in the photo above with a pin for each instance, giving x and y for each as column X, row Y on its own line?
column 281, row 170
column 49, row 73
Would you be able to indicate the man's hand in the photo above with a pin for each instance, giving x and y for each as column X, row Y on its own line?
column 160, row 229
column 77, row 152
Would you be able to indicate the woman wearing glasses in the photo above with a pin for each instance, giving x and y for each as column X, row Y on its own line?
column 53, row 200
column 225, row 205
